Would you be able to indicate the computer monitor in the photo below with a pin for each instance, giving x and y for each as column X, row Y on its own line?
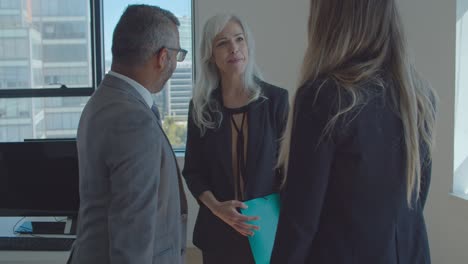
column 39, row 178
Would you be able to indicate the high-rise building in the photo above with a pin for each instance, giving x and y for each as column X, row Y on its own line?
column 66, row 56
column 180, row 91
column 43, row 44
column 181, row 84
column 46, row 44
column 20, row 68
column 185, row 33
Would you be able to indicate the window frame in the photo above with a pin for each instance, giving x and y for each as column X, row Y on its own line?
column 459, row 184
column 97, row 64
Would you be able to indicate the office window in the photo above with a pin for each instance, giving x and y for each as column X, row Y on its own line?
column 48, row 43
column 173, row 100
column 460, row 183
column 45, row 34
column 63, row 8
column 6, row 4
column 36, row 118
column 66, row 53
column 64, row 30
column 13, row 48
column 28, row 53
column 14, row 77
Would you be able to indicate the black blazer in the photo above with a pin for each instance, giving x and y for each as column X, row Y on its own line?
column 345, row 196
column 208, row 163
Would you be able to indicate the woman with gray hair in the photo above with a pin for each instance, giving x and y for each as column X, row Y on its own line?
column 234, row 126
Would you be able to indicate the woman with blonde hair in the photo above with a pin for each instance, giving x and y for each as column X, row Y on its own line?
column 234, row 126
column 358, row 143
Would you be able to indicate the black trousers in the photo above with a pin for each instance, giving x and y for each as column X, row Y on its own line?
column 240, row 255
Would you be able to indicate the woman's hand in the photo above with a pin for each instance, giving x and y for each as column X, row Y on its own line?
column 227, row 211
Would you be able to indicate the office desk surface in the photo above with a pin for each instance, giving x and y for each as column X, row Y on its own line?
column 27, row 257
column 33, row 257
column 54, row 257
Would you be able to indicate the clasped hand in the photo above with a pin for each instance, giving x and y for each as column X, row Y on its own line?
column 227, row 211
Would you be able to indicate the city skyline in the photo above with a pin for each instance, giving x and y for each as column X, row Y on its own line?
column 112, row 13
column 35, row 43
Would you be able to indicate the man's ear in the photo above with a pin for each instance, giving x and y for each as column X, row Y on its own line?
column 161, row 59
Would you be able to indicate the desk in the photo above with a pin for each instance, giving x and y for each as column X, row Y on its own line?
column 33, row 257
column 27, row 257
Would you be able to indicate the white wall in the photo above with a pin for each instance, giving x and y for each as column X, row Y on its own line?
column 431, row 28
column 279, row 28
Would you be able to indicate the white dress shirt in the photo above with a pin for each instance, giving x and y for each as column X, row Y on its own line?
column 140, row 89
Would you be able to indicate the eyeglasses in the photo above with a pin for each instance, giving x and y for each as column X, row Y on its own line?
column 181, row 53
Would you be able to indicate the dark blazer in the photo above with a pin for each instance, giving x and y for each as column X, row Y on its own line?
column 345, row 196
column 208, row 163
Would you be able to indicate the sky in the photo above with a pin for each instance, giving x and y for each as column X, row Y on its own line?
column 113, row 9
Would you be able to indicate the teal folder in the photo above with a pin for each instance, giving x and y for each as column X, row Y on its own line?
column 261, row 243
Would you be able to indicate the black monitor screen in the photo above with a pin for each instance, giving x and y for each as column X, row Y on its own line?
column 39, row 178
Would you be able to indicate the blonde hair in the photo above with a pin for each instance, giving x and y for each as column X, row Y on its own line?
column 209, row 78
column 354, row 42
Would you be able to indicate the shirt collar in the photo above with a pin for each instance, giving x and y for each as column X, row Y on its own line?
column 140, row 89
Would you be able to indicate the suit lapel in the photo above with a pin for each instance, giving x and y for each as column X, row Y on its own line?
column 223, row 142
column 183, row 197
column 255, row 137
column 116, row 83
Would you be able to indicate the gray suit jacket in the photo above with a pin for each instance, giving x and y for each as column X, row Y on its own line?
column 131, row 208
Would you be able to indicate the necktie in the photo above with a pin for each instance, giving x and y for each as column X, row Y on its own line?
column 155, row 110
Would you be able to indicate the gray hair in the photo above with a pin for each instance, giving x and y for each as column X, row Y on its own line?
column 141, row 32
column 209, row 78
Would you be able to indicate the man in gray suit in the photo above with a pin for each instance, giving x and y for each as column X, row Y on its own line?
column 132, row 205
